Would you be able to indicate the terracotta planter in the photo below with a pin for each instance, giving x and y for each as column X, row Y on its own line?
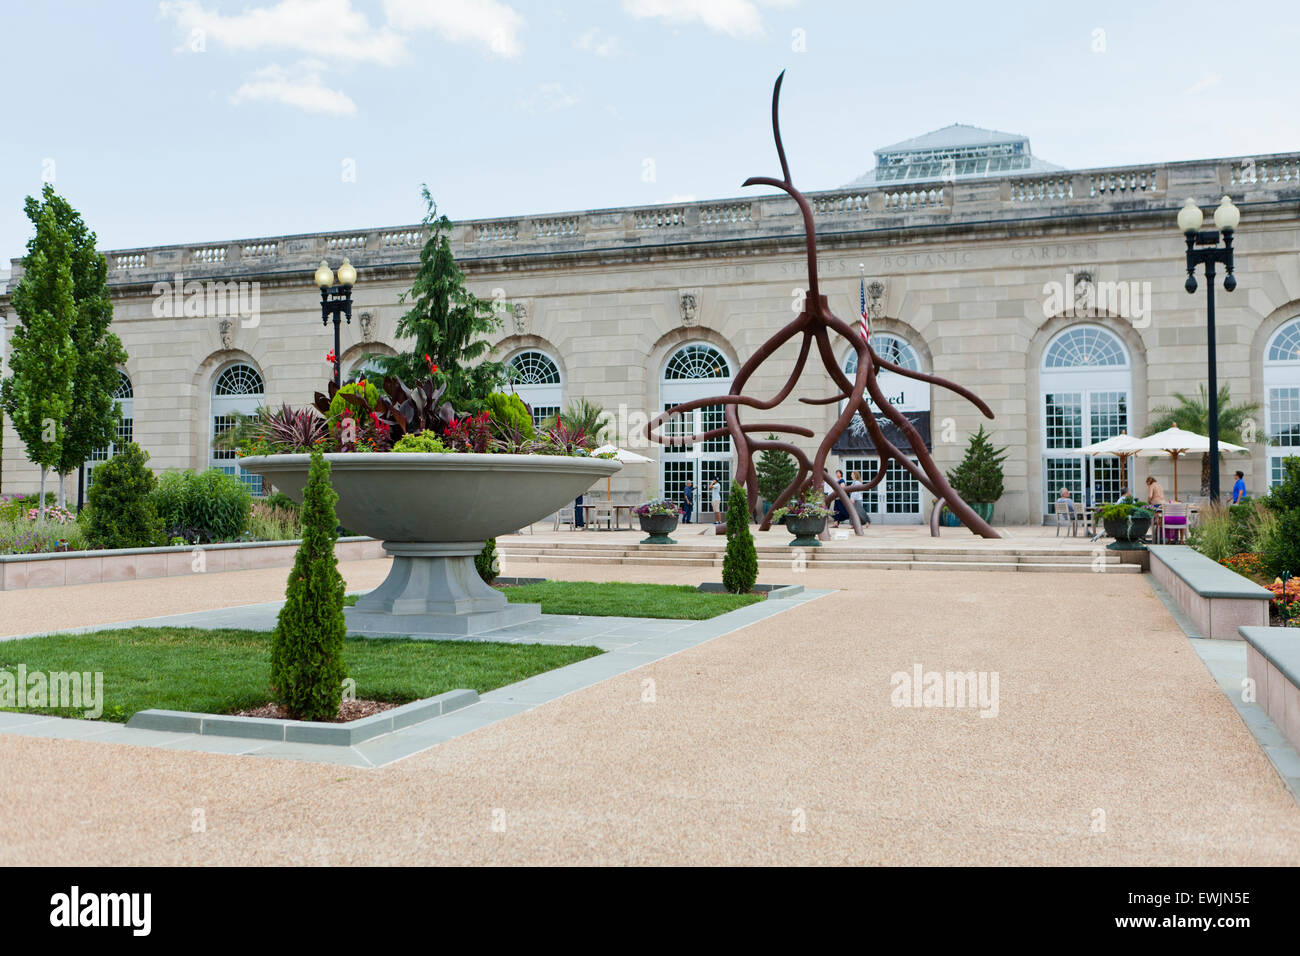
column 658, row 527
column 805, row 530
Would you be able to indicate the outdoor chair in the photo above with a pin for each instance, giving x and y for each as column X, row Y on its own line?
column 565, row 516
column 1065, row 514
column 1173, row 522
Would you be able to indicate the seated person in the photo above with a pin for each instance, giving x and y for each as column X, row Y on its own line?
column 1067, row 501
column 1155, row 494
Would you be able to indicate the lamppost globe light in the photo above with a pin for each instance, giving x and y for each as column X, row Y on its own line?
column 1227, row 216
column 1190, row 217
column 347, row 274
column 324, row 275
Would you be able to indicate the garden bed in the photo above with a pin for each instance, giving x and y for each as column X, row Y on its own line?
column 228, row 671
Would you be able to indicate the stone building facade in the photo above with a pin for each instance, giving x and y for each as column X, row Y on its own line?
column 1057, row 296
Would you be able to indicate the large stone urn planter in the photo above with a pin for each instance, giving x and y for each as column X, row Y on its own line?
column 1127, row 532
column 433, row 513
column 805, row 530
column 658, row 527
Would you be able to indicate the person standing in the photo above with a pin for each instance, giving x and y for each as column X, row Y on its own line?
column 1239, row 488
column 688, row 502
column 859, row 498
column 838, row 511
column 715, row 493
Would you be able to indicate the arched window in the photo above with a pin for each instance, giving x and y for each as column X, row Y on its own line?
column 1087, row 388
column 897, row 499
column 695, row 370
column 365, row 366
column 536, row 379
column 237, row 390
column 1282, row 397
column 124, row 395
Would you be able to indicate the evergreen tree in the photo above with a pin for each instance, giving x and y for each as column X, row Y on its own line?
column 449, row 324
column 776, row 469
column 307, row 646
column 487, row 562
column 38, row 393
column 740, row 565
column 978, row 479
column 122, row 511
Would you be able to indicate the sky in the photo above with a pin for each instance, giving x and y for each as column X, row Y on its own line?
column 193, row 121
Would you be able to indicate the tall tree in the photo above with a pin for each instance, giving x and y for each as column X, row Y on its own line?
column 448, row 323
column 90, row 421
column 38, row 393
column 1193, row 415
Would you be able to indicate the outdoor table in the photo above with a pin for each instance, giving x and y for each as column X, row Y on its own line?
column 614, row 515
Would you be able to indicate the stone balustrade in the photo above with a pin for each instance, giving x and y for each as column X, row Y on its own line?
column 1152, row 190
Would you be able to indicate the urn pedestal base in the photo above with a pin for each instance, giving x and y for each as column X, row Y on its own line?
column 433, row 590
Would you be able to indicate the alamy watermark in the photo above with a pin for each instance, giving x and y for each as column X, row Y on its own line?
column 922, row 688
column 69, row 690
column 208, row 299
column 1079, row 297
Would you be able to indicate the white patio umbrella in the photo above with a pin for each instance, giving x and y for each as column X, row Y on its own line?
column 1123, row 446
column 623, row 455
column 1175, row 441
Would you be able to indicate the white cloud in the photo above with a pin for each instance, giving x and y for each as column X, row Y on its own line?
column 548, row 98
column 593, row 42
column 487, row 23
column 735, row 17
column 1206, row 81
column 300, row 87
column 325, row 28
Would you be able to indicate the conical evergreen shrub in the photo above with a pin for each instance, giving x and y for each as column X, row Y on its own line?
column 740, row 566
column 307, row 646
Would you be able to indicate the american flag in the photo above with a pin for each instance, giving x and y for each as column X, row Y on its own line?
column 866, row 327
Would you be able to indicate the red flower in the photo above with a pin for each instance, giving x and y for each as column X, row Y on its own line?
column 330, row 357
column 433, row 369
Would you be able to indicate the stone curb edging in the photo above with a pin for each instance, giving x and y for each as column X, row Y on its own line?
column 304, row 731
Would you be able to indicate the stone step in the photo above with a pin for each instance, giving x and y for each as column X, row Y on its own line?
column 1112, row 564
column 814, row 556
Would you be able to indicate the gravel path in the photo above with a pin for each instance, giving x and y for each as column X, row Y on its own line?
column 775, row 744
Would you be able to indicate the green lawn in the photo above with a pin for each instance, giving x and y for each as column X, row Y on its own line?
column 225, row 671
column 623, row 599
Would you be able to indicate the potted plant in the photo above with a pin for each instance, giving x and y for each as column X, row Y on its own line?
column 978, row 479
column 1126, row 521
column 805, row 518
column 658, row 519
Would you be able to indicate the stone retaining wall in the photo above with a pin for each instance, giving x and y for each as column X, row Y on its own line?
column 19, row 571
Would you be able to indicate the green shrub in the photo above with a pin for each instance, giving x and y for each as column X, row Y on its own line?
column 425, row 442
column 740, row 565
column 266, row 522
column 339, row 404
column 278, row 499
column 1214, row 535
column 486, row 561
column 1281, row 551
column 122, row 512
column 509, row 415
column 207, row 506
column 307, row 645
column 1261, row 526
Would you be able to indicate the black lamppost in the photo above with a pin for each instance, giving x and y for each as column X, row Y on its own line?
column 336, row 301
column 1226, row 218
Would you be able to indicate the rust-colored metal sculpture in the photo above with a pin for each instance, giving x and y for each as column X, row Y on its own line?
column 815, row 324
